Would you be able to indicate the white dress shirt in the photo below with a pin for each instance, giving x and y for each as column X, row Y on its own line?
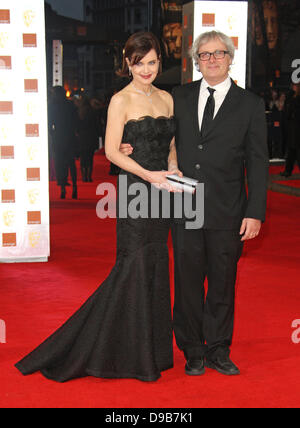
column 221, row 91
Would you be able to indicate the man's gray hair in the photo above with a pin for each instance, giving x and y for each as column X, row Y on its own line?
column 208, row 37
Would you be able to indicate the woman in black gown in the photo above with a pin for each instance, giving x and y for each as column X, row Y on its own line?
column 124, row 330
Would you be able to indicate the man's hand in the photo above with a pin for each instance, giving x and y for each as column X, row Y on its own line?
column 173, row 167
column 250, row 228
column 126, row 149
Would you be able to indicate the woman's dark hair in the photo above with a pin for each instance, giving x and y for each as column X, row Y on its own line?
column 136, row 48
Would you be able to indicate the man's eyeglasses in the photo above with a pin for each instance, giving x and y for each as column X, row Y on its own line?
column 205, row 56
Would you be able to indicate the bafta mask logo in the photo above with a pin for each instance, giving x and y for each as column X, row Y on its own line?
column 31, row 109
column 8, row 218
column 32, row 152
column 7, row 175
column 30, row 63
column 4, row 133
column 28, row 17
column 3, row 40
column 4, row 87
column 232, row 21
column 33, row 196
column 34, row 239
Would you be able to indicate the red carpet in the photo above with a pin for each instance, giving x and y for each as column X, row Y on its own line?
column 275, row 169
column 290, row 183
column 36, row 299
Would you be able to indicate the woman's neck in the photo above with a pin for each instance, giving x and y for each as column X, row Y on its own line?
column 140, row 87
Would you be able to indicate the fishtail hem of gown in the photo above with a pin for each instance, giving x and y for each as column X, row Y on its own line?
column 22, row 369
column 153, row 378
column 98, row 374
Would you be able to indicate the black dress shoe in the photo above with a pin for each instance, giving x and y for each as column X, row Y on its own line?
column 222, row 365
column 195, row 367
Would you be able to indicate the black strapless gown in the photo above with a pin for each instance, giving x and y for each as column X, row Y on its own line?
column 124, row 330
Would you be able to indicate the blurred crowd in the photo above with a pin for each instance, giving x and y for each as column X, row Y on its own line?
column 283, row 116
column 76, row 131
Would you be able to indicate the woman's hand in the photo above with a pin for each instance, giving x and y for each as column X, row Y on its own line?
column 173, row 168
column 159, row 180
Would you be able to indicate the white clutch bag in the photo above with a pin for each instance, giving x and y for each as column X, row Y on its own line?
column 183, row 183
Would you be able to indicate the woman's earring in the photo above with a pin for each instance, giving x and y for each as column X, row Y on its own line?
column 130, row 73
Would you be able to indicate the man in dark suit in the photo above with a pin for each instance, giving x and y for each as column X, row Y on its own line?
column 221, row 137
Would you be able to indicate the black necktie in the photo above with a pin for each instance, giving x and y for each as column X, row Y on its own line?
column 209, row 112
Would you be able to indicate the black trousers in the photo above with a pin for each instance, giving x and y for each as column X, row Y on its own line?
column 203, row 325
column 87, row 162
column 293, row 156
column 64, row 163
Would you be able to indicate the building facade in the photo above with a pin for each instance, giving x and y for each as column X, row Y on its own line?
column 99, row 63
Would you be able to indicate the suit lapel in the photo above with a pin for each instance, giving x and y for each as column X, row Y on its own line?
column 193, row 105
column 229, row 103
column 192, row 99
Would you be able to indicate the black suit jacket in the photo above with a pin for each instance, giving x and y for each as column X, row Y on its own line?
column 235, row 144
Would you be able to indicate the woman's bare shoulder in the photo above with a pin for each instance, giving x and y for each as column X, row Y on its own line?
column 164, row 94
column 166, row 97
column 120, row 99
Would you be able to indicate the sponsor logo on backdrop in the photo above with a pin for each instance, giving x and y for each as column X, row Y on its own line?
column 33, row 174
column 6, row 107
column 4, row 16
column 34, row 217
column 235, row 42
column 31, row 85
column 29, row 40
column 7, row 152
column 8, row 196
column 22, row 41
column 5, row 63
column 32, row 130
column 208, row 20
column 9, row 240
